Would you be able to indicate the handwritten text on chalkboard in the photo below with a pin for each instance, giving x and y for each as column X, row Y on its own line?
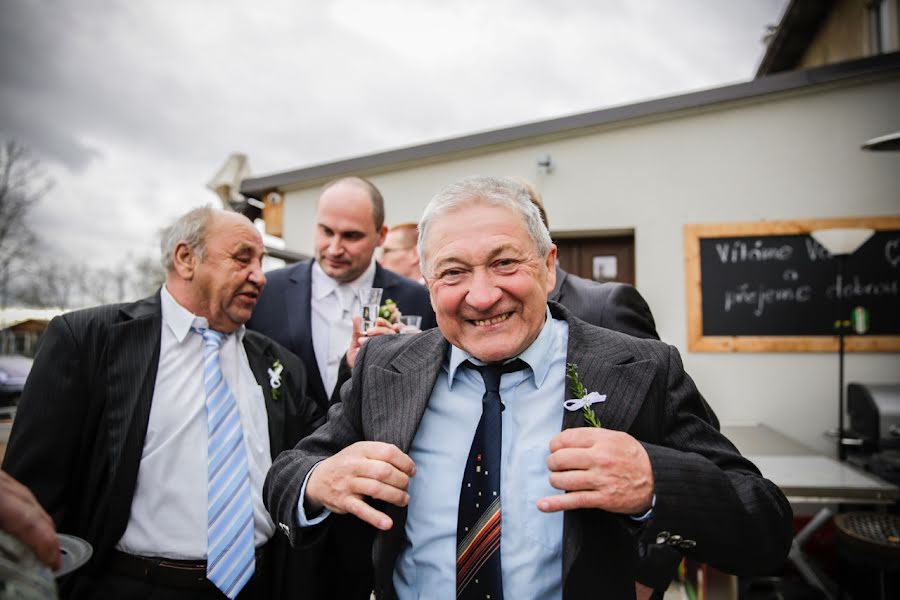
column 787, row 285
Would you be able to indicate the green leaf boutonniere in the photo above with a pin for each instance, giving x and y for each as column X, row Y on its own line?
column 275, row 378
column 389, row 311
column 583, row 400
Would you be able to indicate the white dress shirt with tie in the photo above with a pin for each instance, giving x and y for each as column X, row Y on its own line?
column 169, row 510
column 333, row 305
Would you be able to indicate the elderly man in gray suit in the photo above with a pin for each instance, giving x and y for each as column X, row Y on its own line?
column 449, row 441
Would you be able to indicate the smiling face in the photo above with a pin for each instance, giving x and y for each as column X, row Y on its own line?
column 225, row 286
column 488, row 283
column 346, row 236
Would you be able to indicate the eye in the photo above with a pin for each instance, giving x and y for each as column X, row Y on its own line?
column 451, row 275
column 505, row 265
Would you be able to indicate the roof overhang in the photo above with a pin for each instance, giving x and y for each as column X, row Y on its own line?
column 578, row 124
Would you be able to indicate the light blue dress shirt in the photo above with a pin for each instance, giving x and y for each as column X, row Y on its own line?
column 531, row 541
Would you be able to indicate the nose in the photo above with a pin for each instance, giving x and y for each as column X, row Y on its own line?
column 482, row 293
column 335, row 246
column 257, row 275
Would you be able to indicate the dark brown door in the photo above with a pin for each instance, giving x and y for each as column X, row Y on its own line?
column 598, row 258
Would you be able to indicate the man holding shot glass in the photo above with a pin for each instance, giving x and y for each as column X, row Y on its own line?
column 310, row 308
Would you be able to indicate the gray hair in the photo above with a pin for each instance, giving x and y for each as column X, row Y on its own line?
column 190, row 229
column 494, row 191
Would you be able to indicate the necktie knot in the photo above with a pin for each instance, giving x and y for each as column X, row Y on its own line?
column 211, row 337
column 491, row 374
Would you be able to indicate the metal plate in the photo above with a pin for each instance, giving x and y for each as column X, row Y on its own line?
column 75, row 552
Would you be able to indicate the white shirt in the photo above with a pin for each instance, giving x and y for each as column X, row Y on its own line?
column 333, row 305
column 169, row 511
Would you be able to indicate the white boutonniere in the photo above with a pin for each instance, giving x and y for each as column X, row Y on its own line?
column 275, row 378
column 583, row 400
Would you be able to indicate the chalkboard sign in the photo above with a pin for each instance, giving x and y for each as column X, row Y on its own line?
column 769, row 286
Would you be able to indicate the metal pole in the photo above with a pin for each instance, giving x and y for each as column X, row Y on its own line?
column 842, row 452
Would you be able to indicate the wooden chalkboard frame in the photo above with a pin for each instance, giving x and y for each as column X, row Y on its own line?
column 697, row 342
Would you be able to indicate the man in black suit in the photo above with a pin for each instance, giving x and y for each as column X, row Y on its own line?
column 396, row 450
column 308, row 308
column 113, row 429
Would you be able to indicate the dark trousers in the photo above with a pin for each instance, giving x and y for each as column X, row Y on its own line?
column 112, row 586
column 111, row 583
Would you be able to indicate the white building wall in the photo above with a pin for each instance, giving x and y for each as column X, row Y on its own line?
column 780, row 157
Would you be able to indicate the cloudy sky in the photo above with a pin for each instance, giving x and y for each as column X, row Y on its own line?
column 133, row 106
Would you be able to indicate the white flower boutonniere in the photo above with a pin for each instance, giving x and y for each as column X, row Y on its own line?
column 275, row 378
column 583, row 400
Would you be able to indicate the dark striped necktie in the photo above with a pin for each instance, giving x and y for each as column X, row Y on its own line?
column 478, row 573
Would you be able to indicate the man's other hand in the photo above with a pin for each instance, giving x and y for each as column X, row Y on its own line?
column 365, row 469
column 22, row 517
column 358, row 338
column 599, row 468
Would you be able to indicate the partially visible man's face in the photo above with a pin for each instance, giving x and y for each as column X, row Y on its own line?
column 488, row 284
column 227, row 283
column 346, row 236
column 400, row 256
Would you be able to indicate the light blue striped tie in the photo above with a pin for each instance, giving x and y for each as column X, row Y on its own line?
column 230, row 560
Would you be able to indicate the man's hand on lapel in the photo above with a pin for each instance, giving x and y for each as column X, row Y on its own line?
column 599, row 468
column 374, row 469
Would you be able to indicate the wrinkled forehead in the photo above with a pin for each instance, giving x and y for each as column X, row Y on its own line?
column 476, row 226
column 234, row 232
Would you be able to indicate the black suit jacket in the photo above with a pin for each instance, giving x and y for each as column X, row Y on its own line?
column 79, row 430
column 710, row 501
column 284, row 312
column 614, row 305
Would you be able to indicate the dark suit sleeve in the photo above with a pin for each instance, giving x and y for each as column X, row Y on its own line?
column 43, row 443
column 705, row 488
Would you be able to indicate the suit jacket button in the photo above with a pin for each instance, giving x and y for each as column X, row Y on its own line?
column 674, row 540
column 285, row 529
column 687, row 544
column 662, row 537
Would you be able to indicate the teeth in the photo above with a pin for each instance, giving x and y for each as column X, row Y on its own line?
column 493, row 321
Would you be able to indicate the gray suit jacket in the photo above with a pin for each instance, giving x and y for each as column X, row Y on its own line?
column 711, row 501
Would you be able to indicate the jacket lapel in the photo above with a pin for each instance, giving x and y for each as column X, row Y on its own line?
column 132, row 359
column 298, row 304
column 606, row 366
column 262, row 359
column 410, row 378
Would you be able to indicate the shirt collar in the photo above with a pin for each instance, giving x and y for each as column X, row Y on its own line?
column 179, row 320
column 537, row 356
column 323, row 285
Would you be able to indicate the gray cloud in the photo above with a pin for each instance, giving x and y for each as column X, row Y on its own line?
column 134, row 105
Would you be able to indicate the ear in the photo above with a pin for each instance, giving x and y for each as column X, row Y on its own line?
column 381, row 234
column 184, row 261
column 551, row 268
